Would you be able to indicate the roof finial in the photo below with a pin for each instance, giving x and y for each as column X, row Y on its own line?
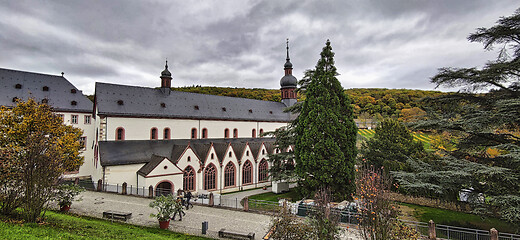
column 166, row 66
column 288, row 50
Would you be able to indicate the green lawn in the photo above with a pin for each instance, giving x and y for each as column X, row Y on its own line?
column 460, row 219
column 65, row 226
column 270, row 196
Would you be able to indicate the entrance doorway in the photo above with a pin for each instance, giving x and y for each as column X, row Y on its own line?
column 163, row 188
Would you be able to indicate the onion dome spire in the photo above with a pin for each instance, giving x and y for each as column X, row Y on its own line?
column 288, row 81
column 165, row 72
column 288, row 63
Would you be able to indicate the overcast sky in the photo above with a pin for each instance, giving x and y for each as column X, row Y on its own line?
column 378, row 44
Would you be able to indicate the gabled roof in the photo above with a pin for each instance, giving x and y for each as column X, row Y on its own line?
column 220, row 149
column 57, row 90
column 147, row 168
column 238, row 149
column 201, row 150
column 131, row 101
column 177, row 151
column 255, row 148
column 269, row 146
column 113, row 153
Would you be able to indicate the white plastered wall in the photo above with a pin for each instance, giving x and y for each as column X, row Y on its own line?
column 209, row 161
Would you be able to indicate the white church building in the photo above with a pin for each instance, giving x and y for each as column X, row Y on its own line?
column 165, row 139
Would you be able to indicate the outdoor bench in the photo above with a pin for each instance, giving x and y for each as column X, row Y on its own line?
column 117, row 215
column 227, row 234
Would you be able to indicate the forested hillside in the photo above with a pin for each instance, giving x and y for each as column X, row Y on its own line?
column 374, row 102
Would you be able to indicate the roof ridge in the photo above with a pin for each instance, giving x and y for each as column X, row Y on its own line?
column 37, row 73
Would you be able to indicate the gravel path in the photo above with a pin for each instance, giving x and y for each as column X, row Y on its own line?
column 95, row 203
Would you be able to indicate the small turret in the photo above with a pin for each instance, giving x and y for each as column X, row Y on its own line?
column 288, row 83
column 166, row 79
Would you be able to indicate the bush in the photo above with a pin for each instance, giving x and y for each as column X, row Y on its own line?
column 165, row 206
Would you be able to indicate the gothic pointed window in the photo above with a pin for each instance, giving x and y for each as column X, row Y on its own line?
column 210, row 177
column 189, row 179
column 263, row 171
column 247, row 173
column 229, row 175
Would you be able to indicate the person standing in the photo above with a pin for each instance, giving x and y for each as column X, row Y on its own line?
column 188, row 196
column 178, row 209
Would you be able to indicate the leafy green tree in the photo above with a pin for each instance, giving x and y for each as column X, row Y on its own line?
column 487, row 154
column 325, row 133
column 391, row 146
column 36, row 149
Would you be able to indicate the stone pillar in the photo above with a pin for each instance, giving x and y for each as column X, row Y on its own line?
column 494, row 234
column 431, row 228
column 246, row 204
column 211, row 200
column 99, row 185
column 150, row 191
column 123, row 191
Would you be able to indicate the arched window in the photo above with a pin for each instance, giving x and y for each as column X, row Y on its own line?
column 226, row 133
column 194, row 133
column 247, row 173
column 261, row 132
column 120, row 134
column 262, row 171
column 235, row 133
column 229, row 175
column 253, row 133
column 166, row 133
column 153, row 134
column 204, row 133
column 210, row 177
column 189, row 179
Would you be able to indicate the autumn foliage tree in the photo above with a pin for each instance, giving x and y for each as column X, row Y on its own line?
column 36, row 148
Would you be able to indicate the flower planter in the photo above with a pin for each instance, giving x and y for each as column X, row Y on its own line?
column 64, row 208
column 164, row 224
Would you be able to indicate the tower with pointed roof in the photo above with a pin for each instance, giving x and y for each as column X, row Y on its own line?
column 166, row 79
column 288, row 83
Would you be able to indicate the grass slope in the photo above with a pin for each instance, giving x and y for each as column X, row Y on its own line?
column 65, row 226
column 459, row 219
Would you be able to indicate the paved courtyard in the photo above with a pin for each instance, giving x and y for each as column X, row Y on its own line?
column 95, row 203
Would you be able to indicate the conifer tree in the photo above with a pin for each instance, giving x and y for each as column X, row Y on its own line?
column 325, row 133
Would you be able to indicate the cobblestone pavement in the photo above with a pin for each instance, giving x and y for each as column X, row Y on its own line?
column 95, row 203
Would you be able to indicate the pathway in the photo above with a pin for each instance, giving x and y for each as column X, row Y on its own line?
column 95, row 203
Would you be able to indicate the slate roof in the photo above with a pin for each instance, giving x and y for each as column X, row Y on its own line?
column 59, row 90
column 121, row 100
column 147, row 168
column 113, row 153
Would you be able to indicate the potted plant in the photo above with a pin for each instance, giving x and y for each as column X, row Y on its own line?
column 66, row 194
column 165, row 206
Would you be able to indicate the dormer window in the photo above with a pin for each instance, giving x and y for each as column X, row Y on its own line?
column 18, row 86
column 270, row 112
column 73, row 90
column 15, row 99
column 196, row 107
column 45, row 100
column 45, row 88
column 120, row 102
column 73, row 103
column 250, row 110
column 163, row 105
column 223, row 109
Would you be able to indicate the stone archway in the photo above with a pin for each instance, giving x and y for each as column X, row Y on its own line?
column 163, row 188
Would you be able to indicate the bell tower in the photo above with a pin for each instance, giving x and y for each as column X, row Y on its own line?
column 288, row 82
column 166, row 79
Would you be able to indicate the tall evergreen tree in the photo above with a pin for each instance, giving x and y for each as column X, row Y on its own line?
column 325, row 133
